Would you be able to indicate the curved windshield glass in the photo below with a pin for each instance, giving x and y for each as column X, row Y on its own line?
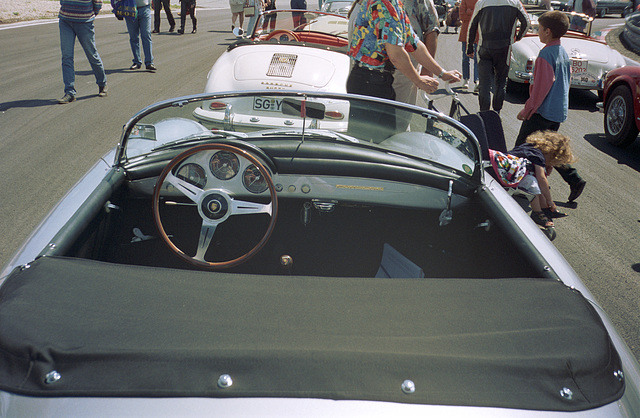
column 381, row 125
column 299, row 24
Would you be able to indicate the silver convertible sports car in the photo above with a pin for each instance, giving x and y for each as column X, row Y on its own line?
column 378, row 271
column 591, row 58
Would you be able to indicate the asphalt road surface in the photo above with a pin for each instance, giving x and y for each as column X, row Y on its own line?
column 46, row 147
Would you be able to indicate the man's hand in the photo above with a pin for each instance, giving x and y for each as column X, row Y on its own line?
column 428, row 84
column 453, row 76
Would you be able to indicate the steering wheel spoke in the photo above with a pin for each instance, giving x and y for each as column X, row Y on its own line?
column 192, row 192
column 241, row 207
column 206, row 235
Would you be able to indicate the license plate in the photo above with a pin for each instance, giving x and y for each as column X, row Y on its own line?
column 269, row 104
column 578, row 67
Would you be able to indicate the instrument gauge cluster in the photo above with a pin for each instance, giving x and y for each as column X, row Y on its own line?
column 253, row 180
column 224, row 165
column 193, row 174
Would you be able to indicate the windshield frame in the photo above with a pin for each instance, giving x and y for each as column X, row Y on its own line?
column 263, row 24
column 121, row 157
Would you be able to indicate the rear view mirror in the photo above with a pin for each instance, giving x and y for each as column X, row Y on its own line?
column 144, row 131
column 238, row 32
column 303, row 108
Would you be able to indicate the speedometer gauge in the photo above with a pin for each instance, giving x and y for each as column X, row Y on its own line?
column 193, row 174
column 253, row 180
column 224, row 165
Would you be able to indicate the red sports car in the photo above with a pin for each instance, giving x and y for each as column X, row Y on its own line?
column 621, row 103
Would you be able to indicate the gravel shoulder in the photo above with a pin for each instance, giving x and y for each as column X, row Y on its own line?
column 21, row 10
column 12, row 11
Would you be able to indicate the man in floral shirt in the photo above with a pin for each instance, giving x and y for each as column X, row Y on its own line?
column 381, row 42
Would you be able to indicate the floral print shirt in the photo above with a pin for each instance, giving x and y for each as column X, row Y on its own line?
column 422, row 15
column 379, row 22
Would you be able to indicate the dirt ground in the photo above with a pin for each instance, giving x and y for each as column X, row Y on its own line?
column 20, row 10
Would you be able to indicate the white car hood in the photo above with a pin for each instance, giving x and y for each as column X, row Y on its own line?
column 273, row 66
column 582, row 49
column 593, row 51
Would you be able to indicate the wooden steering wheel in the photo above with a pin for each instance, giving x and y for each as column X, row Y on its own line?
column 214, row 202
column 283, row 35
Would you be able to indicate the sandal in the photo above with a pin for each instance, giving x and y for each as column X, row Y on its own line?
column 554, row 213
column 541, row 219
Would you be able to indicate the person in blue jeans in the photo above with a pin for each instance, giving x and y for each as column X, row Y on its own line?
column 466, row 13
column 139, row 29
column 76, row 21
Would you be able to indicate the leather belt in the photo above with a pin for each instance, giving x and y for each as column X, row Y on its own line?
column 388, row 68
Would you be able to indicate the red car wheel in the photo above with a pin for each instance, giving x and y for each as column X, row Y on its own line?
column 619, row 119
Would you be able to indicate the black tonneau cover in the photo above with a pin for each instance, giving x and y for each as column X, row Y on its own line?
column 116, row 330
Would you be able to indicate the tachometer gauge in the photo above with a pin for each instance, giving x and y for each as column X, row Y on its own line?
column 253, row 180
column 224, row 165
column 193, row 174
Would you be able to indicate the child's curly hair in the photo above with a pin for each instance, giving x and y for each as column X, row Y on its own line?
column 555, row 146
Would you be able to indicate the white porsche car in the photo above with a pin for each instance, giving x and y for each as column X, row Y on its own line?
column 591, row 58
column 286, row 50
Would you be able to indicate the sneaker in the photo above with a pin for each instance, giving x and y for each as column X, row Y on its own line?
column 181, row 31
column 151, row 68
column 155, row 31
column 67, row 98
column 102, row 91
column 476, row 89
column 172, row 28
column 465, row 84
column 135, row 67
column 194, row 30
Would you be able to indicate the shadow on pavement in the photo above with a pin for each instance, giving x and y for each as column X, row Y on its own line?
column 27, row 103
column 629, row 156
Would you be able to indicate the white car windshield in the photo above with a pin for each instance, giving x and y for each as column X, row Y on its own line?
column 301, row 22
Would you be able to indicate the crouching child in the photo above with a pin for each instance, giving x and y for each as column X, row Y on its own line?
column 527, row 166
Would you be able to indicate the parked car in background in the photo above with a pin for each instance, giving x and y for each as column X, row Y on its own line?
column 591, row 59
column 561, row 5
column 622, row 105
column 340, row 7
column 617, row 7
column 373, row 272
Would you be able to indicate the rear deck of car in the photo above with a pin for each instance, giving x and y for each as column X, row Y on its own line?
column 126, row 331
